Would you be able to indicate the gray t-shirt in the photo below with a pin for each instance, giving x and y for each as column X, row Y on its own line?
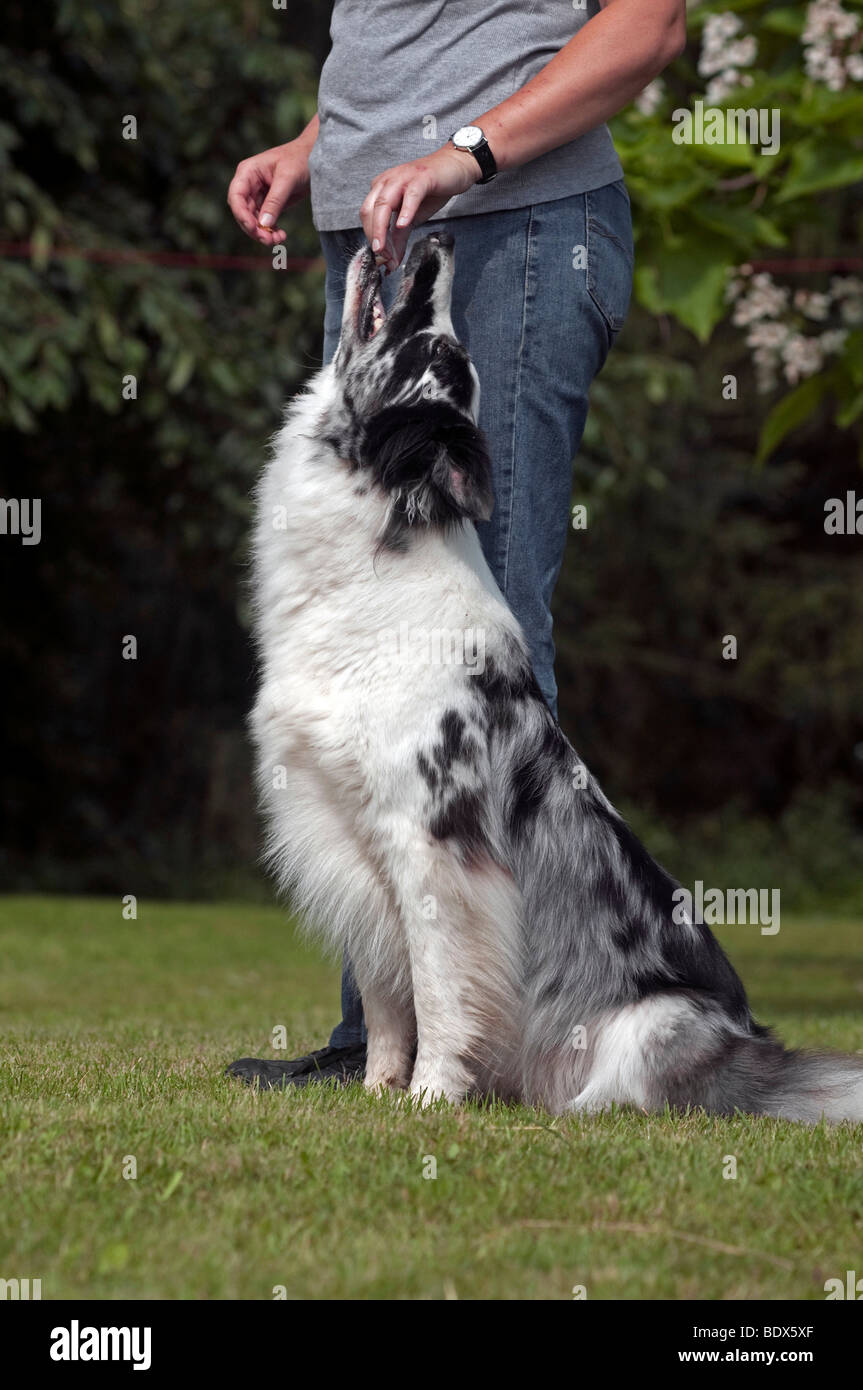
column 402, row 75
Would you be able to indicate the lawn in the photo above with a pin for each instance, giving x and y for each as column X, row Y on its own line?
column 115, row 1033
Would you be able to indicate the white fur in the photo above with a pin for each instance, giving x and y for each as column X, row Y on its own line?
column 340, row 789
column 629, row 1045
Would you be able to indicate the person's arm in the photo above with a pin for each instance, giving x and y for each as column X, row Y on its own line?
column 270, row 181
column 602, row 68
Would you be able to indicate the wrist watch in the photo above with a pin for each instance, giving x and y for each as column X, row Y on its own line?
column 471, row 138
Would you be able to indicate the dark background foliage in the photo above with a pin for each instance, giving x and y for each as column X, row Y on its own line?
column 134, row 776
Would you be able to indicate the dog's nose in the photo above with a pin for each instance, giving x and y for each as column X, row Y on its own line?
column 444, row 239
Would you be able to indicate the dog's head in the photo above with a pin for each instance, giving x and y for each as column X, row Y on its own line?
column 409, row 393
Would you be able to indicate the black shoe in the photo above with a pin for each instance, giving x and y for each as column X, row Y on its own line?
column 339, row 1064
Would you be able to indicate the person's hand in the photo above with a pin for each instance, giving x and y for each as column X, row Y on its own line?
column 414, row 192
column 266, row 184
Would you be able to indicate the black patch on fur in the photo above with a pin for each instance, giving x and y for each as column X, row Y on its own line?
column 638, row 894
column 414, row 313
column 461, row 819
column 456, row 745
column 450, row 367
column 433, row 461
column 527, row 796
column 452, row 728
column 411, row 361
column 470, row 752
column 502, row 689
column 629, row 933
column 427, row 772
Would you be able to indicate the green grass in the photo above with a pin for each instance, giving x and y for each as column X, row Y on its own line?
column 114, row 1037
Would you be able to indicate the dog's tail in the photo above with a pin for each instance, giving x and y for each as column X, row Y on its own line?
column 759, row 1075
column 813, row 1085
column 683, row 1050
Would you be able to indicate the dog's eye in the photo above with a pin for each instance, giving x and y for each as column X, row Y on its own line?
column 439, row 348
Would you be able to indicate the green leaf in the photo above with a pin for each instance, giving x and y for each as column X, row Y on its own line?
column 664, row 194
column 21, row 416
column 823, row 107
column 108, row 332
column 688, row 282
column 785, row 21
column 181, row 372
column 734, row 154
column 850, row 411
column 790, row 412
column 40, row 247
column 223, row 376
column 819, row 164
column 743, row 226
column 852, row 357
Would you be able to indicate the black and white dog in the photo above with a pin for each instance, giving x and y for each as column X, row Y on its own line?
column 508, row 932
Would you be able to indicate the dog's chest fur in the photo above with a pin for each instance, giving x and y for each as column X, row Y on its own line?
column 350, row 637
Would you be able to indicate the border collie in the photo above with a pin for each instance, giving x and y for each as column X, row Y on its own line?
column 508, row 932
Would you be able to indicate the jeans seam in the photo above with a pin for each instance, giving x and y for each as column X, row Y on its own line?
column 516, row 391
column 593, row 229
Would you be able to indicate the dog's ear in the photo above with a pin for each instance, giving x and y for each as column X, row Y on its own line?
column 463, row 469
column 434, row 460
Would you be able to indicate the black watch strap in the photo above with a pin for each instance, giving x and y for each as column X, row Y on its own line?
column 484, row 158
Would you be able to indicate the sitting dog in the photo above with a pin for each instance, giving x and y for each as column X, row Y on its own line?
column 508, row 932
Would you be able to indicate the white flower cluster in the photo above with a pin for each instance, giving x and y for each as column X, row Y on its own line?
column 762, row 298
column 723, row 55
column 651, row 98
column 847, row 292
column 774, row 323
column 826, row 38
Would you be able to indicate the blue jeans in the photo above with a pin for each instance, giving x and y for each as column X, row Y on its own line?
column 539, row 295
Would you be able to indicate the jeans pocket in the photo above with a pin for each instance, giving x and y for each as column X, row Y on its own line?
column 609, row 252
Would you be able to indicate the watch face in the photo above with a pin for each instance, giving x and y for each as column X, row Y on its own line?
column 469, row 136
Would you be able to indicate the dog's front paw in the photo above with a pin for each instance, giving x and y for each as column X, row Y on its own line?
column 425, row 1096
column 388, row 1070
column 439, row 1082
column 385, row 1080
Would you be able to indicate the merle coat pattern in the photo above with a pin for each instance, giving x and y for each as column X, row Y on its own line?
column 508, row 932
